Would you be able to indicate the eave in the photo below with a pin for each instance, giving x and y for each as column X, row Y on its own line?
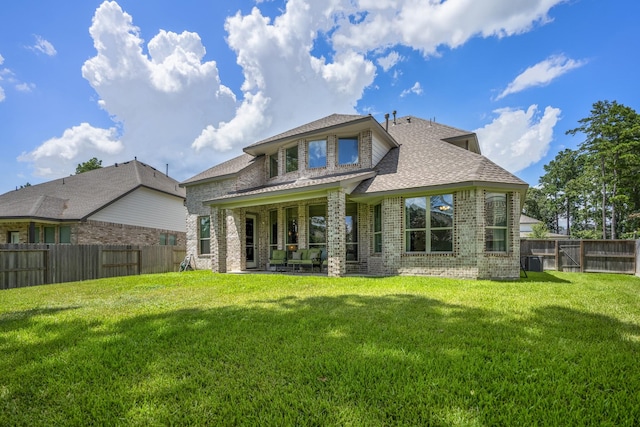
column 285, row 194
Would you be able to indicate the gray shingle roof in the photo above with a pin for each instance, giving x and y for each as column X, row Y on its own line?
column 323, row 123
column 229, row 167
column 299, row 184
column 78, row 196
column 424, row 159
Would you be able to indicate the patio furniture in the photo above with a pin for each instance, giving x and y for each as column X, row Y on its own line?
column 278, row 259
column 305, row 257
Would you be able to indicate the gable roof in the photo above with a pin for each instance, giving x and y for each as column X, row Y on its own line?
column 343, row 122
column 425, row 158
column 78, row 196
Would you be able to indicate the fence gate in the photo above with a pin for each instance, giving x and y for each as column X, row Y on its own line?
column 569, row 256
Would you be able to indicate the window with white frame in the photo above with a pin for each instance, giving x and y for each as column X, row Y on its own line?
column 496, row 222
column 429, row 223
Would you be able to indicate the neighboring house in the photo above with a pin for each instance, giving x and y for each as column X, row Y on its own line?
column 408, row 197
column 127, row 203
column 526, row 225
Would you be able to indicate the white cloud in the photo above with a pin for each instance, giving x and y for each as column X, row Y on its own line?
column 541, row 74
column 278, row 67
column 426, row 25
column 389, row 61
column 43, row 46
column 57, row 156
column 25, row 87
column 415, row 89
column 516, row 139
column 171, row 106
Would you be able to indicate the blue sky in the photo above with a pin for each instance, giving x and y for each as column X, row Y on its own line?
column 189, row 83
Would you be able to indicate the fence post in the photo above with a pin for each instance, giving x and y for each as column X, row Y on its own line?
column 582, row 257
column 558, row 265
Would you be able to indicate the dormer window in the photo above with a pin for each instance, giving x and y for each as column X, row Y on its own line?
column 348, row 151
column 317, row 154
column 291, row 159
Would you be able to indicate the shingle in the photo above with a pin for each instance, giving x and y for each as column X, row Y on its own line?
column 229, row 167
column 302, row 183
column 78, row 196
column 425, row 159
column 323, row 123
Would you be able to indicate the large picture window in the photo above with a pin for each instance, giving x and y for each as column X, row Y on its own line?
column 429, row 223
column 291, row 159
column 377, row 229
column 317, row 154
column 496, row 222
column 204, row 234
column 348, row 151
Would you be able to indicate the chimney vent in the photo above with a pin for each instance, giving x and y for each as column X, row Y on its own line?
column 386, row 126
column 394, row 117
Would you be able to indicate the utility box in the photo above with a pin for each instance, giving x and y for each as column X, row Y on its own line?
column 533, row 263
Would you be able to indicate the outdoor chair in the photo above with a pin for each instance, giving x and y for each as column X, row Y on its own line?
column 278, row 259
column 305, row 257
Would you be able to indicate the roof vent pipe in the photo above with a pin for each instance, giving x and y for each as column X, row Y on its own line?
column 394, row 117
column 167, row 170
column 386, row 126
column 408, row 119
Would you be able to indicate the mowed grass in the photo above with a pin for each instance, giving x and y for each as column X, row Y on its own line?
column 198, row 348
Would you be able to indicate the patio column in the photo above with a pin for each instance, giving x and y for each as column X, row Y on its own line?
column 234, row 240
column 218, row 241
column 336, row 239
column 392, row 221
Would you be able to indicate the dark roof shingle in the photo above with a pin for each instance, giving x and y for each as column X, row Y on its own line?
column 425, row 159
column 78, row 196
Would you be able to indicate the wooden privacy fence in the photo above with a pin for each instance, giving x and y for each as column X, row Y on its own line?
column 591, row 256
column 38, row 264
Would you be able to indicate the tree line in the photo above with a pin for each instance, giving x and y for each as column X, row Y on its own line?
column 593, row 192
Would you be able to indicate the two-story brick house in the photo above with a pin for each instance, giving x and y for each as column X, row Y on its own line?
column 407, row 197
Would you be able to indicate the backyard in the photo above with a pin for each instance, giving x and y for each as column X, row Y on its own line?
column 197, row 348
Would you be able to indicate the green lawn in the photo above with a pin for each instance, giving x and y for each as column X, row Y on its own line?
column 197, row 348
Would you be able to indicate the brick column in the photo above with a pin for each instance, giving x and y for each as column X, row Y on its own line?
column 336, row 244
column 392, row 229
column 218, row 241
column 234, row 240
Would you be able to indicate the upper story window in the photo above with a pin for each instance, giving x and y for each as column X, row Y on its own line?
column 496, row 222
column 429, row 223
column 291, row 160
column 348, row 151
column 317, row 154
column 273, row 165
